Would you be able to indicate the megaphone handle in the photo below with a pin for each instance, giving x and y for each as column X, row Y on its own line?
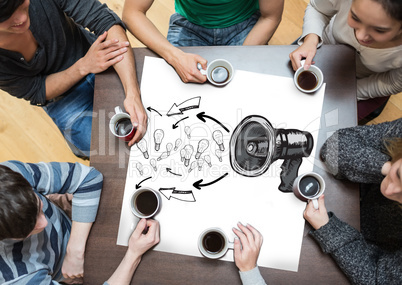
column 290, row 169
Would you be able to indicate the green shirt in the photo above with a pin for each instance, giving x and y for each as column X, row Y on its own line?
column 216, row 14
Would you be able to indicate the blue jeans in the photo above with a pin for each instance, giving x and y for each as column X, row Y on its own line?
column 72, row 113
column 184, row 33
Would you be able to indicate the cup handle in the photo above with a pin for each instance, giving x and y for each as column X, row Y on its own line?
column 203, row 71
column 117, row 110
column 315, row 203
column 230, row 245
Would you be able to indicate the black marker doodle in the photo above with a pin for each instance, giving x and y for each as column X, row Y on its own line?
column 184, row 106
column 140, row 168
column 218, row 138
column 187, row 130
column 138, row 186
column 152, row 162
column 158, row 137
column 142, row 146
column 170, row 171
column 151, row 109
column 207, row 159
column 202, row 146
column 169, row 147
column 177, row 143
column 188, row 153
column 185, row 196
column 202, row 117
column 175, row 125
column 198, row 184
column 255, row 145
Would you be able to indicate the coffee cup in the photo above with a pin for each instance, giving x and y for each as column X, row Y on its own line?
column 120, row 125
column 213, row 243
column 145, row 203
column 219, row 72
column 310, row 80
column 309, row 186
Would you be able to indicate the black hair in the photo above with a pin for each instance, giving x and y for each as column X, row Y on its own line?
column 19, row 205
column 8, row 7
column 392, row 7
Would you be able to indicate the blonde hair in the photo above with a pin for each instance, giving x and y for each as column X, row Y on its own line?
column 394, row 148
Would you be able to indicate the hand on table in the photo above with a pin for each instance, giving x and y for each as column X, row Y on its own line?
column 139, row 118
column 316, row 218
column 307, row 50
column 102, row 54
column 246, row 247
column 139, row 242
column 186, row 67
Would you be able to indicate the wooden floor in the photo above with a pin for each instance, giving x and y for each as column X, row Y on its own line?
column 28, row 134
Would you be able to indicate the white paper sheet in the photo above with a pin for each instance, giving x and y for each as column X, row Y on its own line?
column 234, row 198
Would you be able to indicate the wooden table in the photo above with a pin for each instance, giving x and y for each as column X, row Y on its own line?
column 110, row 157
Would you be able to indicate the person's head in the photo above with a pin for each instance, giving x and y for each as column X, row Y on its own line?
column 21, row 212
column 376, row 21
column 14, row 16
column 391, row 186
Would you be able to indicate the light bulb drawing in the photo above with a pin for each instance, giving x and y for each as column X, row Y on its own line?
column 162, row 156
column 169, row 147
column 187, row 130
column 153, row 163
column 207, row 159
column 192, row 166
column 202, row 146
column 200, row 162
column 177, row 143
column 218, row 138
column 140, row 168
column 158, row 136
column 218, row 154
column 182, row 154
column 189, row 152
column 142, row 146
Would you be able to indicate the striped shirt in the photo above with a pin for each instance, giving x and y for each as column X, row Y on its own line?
column 38, row 259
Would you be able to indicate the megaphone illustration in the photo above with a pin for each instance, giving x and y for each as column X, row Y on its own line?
column 255, row 145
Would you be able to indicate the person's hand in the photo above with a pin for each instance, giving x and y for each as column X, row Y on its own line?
column 307, row 50
column 139, row 118
column 73, row 265
column 102, row 54
column 316, row 218
column 145, row 236
column 246, row 247
column 185, row 65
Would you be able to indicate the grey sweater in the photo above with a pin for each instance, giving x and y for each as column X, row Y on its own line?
column 374, row 255
column 61, row 42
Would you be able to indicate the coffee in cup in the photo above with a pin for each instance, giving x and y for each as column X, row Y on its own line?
column 145, row 203
column 213, row 243
column 309, row 80
column 219, row 72
column 120, row 125
column 309, row 186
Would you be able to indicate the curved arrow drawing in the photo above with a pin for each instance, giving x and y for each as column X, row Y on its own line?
column 151, row 109
column 198, row 184
column 184, row 106
column 185, row 196
column 137, row 186
column 170, row 171
column 175, row 125
column 202, row 117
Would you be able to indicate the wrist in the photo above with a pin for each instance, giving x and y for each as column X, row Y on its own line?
column 312, row 39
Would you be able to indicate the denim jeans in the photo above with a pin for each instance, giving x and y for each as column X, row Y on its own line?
column 72, row 114
column 184, row 33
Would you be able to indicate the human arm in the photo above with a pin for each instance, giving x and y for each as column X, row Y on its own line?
column 380, row 84
column 363, row 263
column 247, row 247
column 138, row 244
column 185, row 64
column 317, row 16
column 358, row 153
column 263, row 30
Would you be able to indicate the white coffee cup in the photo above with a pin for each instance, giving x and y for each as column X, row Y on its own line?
column 117, row 119
column 219, row 72
column 213, row 243
column 145, row 203
column 310, row 80
column 309, row 186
